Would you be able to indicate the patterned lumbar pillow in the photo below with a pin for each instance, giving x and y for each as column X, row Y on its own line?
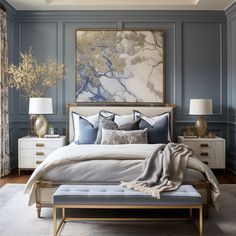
column 124, row 137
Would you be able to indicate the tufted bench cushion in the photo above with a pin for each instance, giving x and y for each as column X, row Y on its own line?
column 117, row 195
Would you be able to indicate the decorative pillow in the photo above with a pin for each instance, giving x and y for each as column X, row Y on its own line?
column 93, row 120
column 123, row 137
column 87, row 132
column 158, row 133
column 107, row 123
column 130, row 126
column 153, row 121
column 123, row 119
column 105, row 113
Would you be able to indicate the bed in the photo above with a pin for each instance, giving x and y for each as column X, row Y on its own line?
column 105, row 169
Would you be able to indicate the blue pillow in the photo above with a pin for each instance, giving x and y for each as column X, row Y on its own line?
column 87, row 132
column 158, row 133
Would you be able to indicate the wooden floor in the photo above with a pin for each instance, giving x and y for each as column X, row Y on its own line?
column 226, row 178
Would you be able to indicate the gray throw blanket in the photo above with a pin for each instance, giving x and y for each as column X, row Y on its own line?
column 163, row 171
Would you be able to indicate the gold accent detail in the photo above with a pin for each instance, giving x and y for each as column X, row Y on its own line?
column 204, row 145
column 40, row 126
column 204, row 154
column 39, row 144
column 64, row 218
column 44, row 184
column 38, row 162
column 201, row 127
column 39, row 153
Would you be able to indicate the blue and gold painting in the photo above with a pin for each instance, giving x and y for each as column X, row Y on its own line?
column 120, row 66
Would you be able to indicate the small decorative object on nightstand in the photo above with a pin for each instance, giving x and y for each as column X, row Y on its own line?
column 210, row 151
column 200, row 107
column 50, row 129
column 32, row 150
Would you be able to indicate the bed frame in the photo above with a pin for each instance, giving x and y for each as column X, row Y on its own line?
column 45, row 189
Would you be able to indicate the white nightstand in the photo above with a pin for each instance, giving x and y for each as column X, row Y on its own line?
column 211, row 151
column 32, row 150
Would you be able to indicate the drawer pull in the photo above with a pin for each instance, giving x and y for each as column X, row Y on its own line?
column 205, row 162
column 38, row 162
column 203, row 145
column 39, row 144
column 39, row 153
column 204, row 154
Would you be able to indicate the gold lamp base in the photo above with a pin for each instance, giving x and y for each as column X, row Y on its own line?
column 201, row 127
column 40, row 126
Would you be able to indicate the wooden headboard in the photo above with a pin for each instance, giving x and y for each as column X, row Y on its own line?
column 88, row 110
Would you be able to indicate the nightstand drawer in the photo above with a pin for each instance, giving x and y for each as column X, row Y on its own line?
column 48, row 144
column 27, row 152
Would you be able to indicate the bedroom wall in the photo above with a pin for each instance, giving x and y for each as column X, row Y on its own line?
column 231, row 22
column 195, row 59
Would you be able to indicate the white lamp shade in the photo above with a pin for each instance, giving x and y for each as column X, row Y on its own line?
column 40, row 106
column 200, row 107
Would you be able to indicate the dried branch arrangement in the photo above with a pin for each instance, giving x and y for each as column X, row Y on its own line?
column 32, row 78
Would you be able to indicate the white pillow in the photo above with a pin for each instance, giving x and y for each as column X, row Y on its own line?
column 124, row 119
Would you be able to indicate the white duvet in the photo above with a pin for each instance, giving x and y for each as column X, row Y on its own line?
column 104, row 164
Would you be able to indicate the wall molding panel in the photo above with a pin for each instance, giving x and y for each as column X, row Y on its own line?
column 52, row 33
column 200, row 41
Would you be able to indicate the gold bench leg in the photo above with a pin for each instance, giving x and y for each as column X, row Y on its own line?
column 55, row 228
column 200, row 221
column 55, row 221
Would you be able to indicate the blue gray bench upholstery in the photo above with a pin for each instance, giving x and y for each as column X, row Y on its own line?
column 115, row 196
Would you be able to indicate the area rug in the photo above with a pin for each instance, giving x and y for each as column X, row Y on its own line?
column 16, row 218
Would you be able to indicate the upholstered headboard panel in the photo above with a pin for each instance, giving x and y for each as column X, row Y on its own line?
column 120, row 110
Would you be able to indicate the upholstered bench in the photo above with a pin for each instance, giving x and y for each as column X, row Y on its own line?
column 117, row 197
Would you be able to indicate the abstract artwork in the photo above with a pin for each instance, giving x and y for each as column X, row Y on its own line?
column 120, row 66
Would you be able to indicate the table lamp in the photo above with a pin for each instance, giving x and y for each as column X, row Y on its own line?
column 39, row 107
column 200, row 107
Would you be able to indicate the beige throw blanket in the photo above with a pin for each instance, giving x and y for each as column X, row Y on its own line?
column 164, row 170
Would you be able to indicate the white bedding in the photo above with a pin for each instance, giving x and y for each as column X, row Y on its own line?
column 106, row 171
column 105, row 164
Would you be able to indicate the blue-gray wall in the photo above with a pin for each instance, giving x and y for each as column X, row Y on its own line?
column 195, row 59
column 231, row 22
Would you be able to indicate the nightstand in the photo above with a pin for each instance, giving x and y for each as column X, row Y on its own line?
column 32, row 150
column 211, row 151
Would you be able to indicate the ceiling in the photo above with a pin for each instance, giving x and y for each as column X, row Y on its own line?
column 121, row 4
